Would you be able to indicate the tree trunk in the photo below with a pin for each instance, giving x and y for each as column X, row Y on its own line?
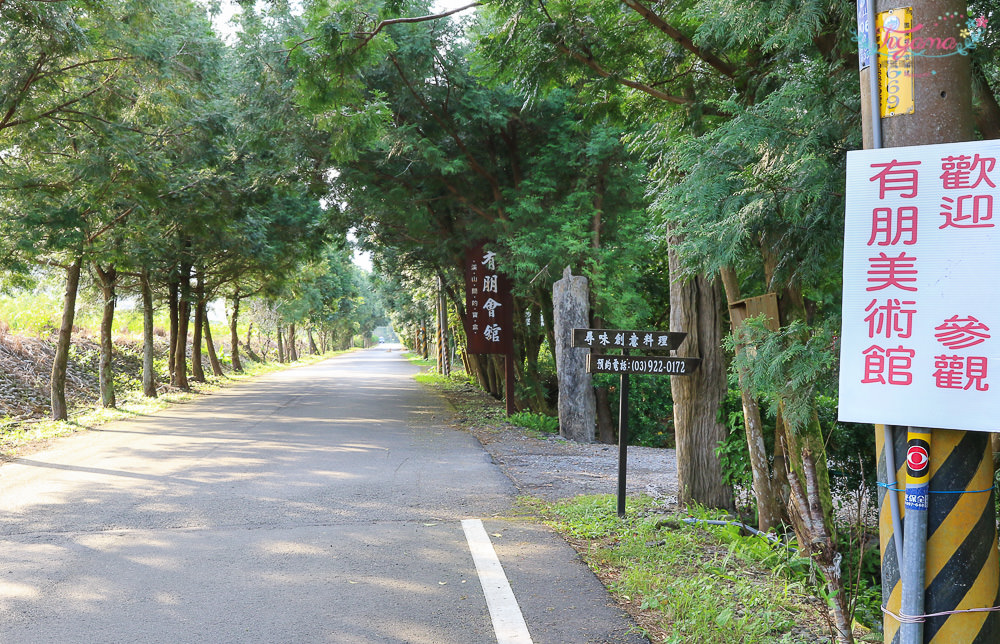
column 173, row 304
column 605, row 423
column 806, row 451
column 148, row 373
column 234, row 337
column 213, row 358
column 183, row 322
column 313, row 349
column 197, row 369
column 60, row 362
column 769, row 508
column 106, row 376
column 810, row 524
column 780, row 462
column 695, row 306
column 281, row 345
column 290, row 349
column 253, row 356
column 248, row 344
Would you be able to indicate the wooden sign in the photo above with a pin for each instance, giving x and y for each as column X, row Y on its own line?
column 599, row 340
column 489, row 320
column 647, row 365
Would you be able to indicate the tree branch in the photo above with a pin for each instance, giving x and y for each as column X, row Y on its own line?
column 473, row 162
column 397, row 21
column 642, row 87
column 32, row 77
column 655, row 20
column 50, row 112
column 96, row 61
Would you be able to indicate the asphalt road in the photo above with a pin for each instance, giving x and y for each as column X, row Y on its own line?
column 319, row 504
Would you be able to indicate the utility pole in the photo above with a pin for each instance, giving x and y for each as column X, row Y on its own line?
column 955, row 568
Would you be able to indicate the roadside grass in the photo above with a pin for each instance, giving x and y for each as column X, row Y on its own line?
column 537, row 425
column 417, row 359
column 20, row 436
column 690, row 583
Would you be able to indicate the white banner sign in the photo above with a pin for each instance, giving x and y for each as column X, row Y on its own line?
column 921, row 316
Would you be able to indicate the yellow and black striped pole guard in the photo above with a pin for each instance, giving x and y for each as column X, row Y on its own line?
column 962, row 571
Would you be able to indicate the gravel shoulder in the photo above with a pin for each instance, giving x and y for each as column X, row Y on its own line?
column 552, row 468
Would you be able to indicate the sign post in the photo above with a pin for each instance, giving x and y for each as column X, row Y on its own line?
column 601, row 340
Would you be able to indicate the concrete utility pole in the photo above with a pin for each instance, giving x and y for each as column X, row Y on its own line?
column 960, row 569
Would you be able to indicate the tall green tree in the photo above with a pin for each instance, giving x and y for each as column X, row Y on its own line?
column 439, row 160
column 94, row 103
column 602, row 50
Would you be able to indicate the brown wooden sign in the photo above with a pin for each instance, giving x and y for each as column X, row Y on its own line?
column 489, row 320
column 600, row 340
column 646, row 365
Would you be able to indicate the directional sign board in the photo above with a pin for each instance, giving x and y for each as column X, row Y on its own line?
column 653, row 365
column 489, row 307
column 600, row 340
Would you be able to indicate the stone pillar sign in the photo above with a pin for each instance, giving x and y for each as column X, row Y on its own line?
column 577, row 409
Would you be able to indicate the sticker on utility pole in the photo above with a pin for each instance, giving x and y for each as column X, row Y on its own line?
column 920, row 287
column 895, row 61
column 864, row 37
column 918, row 471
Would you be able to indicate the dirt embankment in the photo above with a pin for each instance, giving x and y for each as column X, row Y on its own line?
column 26, row 366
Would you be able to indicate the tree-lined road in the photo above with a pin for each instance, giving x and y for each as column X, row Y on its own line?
column 319, row 504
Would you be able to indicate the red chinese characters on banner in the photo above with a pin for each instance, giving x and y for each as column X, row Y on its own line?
column 885, row 271
column 897, row 176
column 893, row 227
column 919, row 339
column 894, row 275
column 893, row 318
column 957, row 371
column 888, row 366
column 967, row 209
column 489, row 309
column 970, row 207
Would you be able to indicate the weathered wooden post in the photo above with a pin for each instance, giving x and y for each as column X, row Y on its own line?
column 577, row 406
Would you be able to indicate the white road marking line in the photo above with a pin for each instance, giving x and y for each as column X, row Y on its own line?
column 508, row 622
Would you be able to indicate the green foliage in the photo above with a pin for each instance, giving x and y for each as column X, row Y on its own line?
column 535, row 422
column 849, row 447
column 733, row 452
column 789, row 367
column 650, row 418
column 441, row 158
column 707, row 583
column 849, row 451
